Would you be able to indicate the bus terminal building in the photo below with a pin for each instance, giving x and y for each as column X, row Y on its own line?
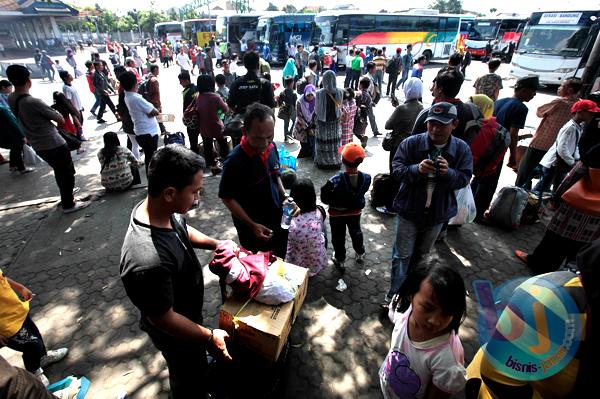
column 29, row 24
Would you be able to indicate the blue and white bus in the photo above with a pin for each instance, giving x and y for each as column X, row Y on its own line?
column 279, row 30
column 556, row 45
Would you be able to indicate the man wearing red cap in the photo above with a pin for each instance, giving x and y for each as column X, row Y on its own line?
column 563, row 154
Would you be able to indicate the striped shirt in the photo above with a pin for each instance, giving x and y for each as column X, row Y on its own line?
column 380, row 62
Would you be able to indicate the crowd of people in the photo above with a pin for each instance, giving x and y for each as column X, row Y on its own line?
column 435, row 152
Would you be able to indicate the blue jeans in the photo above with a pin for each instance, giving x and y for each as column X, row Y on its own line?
column 413, row 242
column 404, row 78
column 97, row 103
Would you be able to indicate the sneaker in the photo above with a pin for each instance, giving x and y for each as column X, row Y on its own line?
column 78, row 205
column 93, row 113
column 376, row 134
column 360, row 258
column 338, row 265
column 101, row 121
column 53, row 356
column 12, row 169
column 522, row 256
column 39, row 373
column 26, row 170
column 385, row 210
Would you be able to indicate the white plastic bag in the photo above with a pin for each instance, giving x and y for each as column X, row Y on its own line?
column 465, row 204
column 30, row 158
column 275, row 289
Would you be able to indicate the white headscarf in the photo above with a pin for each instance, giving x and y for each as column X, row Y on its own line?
column 413, row 89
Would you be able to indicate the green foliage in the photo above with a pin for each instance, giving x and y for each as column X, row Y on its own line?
column 272, row 7
column 447, row 6
column 290, row 9
column 149, row 18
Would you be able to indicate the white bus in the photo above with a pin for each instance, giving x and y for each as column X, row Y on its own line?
column 556, row 45
column 432, row 34
column 168, row 31
column 240, row 29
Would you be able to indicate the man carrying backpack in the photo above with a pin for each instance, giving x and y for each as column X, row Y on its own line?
column 393, row 68
column 488, row 148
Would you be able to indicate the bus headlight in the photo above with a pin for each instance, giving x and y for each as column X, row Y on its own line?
column 564, row 70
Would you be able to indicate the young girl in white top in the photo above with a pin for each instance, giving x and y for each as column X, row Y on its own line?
column 426, row 358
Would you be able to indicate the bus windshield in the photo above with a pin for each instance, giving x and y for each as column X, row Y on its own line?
column 222, row 29
column 262, row 34
column 483, row 30
column 562, row 40
column 242, row 28
column 322, row 32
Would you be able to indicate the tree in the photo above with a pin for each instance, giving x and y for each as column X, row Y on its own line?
column 290, row 9
column 150, row 18
column 272, row 7
column 493, row 10
column 447, row 6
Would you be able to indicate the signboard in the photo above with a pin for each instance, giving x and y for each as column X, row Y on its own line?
column 560, row 18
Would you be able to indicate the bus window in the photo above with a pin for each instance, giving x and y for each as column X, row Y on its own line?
column 452, row 24
column 407, row 23
column 386, row 23
column 342, row 31
column 428, row 24
column 360, row 24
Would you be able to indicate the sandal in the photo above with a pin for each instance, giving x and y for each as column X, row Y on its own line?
column 521, row 255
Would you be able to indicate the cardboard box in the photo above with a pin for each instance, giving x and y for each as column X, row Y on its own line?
column 259, row 327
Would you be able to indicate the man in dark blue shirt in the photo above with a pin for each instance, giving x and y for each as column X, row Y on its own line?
column 251, row 186
column 430, row 167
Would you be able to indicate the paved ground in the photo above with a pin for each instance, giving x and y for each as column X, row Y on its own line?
column 340, row 338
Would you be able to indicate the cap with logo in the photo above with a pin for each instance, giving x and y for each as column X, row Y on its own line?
column 442, row 112
column 585, row 105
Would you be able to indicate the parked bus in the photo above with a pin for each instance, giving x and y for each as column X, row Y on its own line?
column 432, row 35
column 168, row 31
column 279, row 30
column 199, row 31
column 239, row 30
column 498, row 31
column 466, row 24
column 556, row 45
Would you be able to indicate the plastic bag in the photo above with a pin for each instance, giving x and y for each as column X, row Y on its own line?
column 275, row 289
column 71, row 387
column 30, row 158
column 465, row 204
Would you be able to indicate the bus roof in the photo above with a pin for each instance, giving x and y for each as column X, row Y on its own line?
column 335, row 13
column 502, row 17
column 199, row 20
column 255, row 14
column 168, row 23
column 292, row 15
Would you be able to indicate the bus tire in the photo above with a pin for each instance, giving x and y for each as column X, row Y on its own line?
column 428, row 55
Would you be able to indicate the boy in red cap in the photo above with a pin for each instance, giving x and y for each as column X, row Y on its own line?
column 563, row 154
column 345, row 195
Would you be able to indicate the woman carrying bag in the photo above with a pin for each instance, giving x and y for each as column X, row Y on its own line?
column 304, row 128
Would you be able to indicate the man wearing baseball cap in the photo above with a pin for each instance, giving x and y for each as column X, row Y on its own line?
column 563, row 154
column 345, row 195
column 430, row 167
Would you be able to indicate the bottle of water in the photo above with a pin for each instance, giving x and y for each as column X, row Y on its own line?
column 288, row 212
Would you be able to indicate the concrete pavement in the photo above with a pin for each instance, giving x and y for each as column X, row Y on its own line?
column 340, row 338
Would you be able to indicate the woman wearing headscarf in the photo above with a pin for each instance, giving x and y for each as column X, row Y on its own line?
column 486, row 157
column 210, row 107
column 304, row 128
column 290, row 70
column 403, row 118
column 328, row 137
column 71, row 61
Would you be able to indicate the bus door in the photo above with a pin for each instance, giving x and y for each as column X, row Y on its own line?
column 444, row 43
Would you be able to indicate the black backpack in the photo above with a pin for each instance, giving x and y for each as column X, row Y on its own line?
column 301, row 85
column 143, row 88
